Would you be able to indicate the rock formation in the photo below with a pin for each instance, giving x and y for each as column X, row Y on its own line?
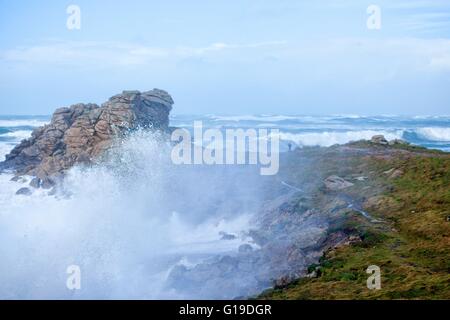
column 24, row 192
column 81, row 132
column 336, row 183
column 379, row 139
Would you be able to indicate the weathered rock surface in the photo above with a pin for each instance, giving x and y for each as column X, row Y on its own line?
column 81, row 132
column 24, row 192
column 287, row 238
column 336, row 183
column 379, row 139
column 398, row 142
column 393, row 173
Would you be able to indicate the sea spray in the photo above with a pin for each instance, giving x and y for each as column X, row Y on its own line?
column 125, row 222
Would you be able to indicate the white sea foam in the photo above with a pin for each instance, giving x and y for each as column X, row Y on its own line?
column 23, row 123
column 434, row 133
column 17, row 135
column 269, row 118
column 329, row 138
column 125, row 223
column 5, row 148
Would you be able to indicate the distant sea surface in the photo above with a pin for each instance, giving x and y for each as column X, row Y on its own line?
column 427, row 131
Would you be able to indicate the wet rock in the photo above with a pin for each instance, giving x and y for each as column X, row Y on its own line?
column 24, row 192
column 52, row 192
column 336, row 183
column 18, row 179
column 47, row 183
column 35, row 183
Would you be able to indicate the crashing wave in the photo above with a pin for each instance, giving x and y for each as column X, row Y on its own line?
column 126, row 222
column 434, row 133
column 329, row 138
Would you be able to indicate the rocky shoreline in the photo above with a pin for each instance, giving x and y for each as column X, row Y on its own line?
column 386, row 204
column 324, row 201
column 303, row 219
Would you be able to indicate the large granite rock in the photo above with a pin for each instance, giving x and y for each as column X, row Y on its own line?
column 81, row 133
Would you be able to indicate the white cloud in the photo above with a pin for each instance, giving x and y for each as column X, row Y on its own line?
column 418, row 17
column 394, row 54
column 413, row 53
column 441, row 63
column 415, row 4
column 114, row 53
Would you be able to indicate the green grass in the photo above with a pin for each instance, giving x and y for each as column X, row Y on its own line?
column 411, row 245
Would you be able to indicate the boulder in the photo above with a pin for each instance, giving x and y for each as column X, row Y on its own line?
column 18, row 179
column 336, row 183
column 35, row 183
column 396, row 174
column 82, row 132
column 379, row 139
column 47, row 183
column 398, row 142
column 24, row 192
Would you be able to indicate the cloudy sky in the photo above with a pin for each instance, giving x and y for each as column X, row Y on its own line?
column 229, row 56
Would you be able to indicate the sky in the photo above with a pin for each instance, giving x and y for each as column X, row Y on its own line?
column 229, row 56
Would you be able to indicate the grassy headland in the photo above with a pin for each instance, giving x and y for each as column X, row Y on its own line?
column 405, row 192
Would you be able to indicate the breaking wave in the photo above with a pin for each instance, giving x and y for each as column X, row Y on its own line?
column 125, row 222
column 17, row 135
column 434, row 133
column 329, row 138
column 10, row 123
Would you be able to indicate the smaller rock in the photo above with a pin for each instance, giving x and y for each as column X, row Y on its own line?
column 47, row 183
column 398, row 141
column 336, row 183
column 18, row 179
column 379, row 139
column 282, row 282
column 52, row 192
column 396, row 173
column 24, row 192
column 314, row 273
column 393, row 173
column 35, row 183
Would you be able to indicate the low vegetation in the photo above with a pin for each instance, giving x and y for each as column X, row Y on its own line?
column 406, row 192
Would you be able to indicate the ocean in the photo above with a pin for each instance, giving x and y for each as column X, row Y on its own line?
column 127, row 224
column 427, row 131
